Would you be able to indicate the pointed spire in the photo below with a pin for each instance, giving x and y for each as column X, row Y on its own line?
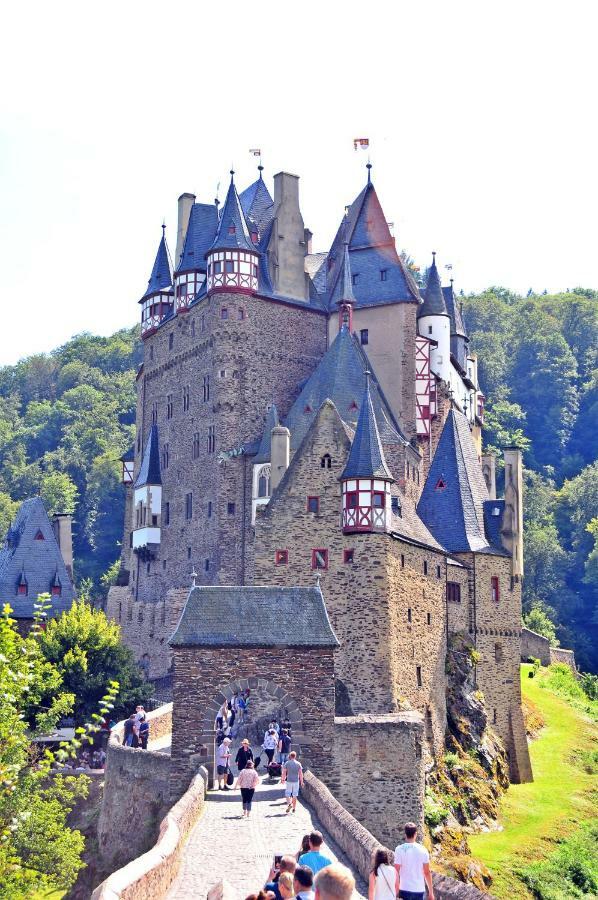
column 233, row 233
column 149, row 473
column 272, row 420
column 161, row 277
column 346, row 287
column 369, row 168
column 434, row 303
column 366, row 459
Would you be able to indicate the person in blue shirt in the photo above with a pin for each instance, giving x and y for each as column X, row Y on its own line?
column 314, row 858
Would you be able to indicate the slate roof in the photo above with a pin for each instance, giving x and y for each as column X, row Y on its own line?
column 452, row 501
column 225, row 616
column 366, row 458
column 372, row 249
column 201, row 231
column 263, row 453
column 433, row 304
column 345, row 293
column 232, row 217
column 149, row 472
column 454, row 311
column 340, row 376
column 161, row 276
column 39, row 561
column 315, row 266
column 128, row 455
column 494, row 511
column 257, row 204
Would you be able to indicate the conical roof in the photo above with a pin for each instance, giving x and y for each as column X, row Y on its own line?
column 257, row 204
column 433, row 304
column 201, row 230
column 149, row 473
column 452, row 501
column 232, row 233
column 454, row 311
column 366, row 459
column 346, row 294
column 161, row 277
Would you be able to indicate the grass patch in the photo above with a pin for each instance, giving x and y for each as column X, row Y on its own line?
column 571, row 871
column 557, row 803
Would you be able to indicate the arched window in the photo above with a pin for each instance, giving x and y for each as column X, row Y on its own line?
column 263, row 483
column 326, row 461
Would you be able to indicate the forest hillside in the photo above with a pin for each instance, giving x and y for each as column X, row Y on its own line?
column 67, row 416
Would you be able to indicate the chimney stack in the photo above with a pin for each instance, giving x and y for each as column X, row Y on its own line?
column 186, row 202
column 512, row 529
column 287, row 247
column 62, row 523
column 280, row 451
column 489, row 473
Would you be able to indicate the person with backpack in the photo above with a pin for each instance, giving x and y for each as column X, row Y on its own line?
column 284, row 746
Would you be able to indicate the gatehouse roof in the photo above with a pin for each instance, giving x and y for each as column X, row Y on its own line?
column 258, row 616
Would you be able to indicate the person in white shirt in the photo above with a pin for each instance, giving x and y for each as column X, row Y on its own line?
column 384, row 879
column 412, row 862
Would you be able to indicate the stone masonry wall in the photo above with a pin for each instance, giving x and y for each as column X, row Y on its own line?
column 147, row 625
column 535, row 645
column 299, row 679
column 254, row 352
column 458, row 610
column 560, row 655
column 136, row 793
column 379, row 771
column 371, row 599
column 498, row 640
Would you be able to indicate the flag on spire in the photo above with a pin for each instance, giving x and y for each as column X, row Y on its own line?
column 255, row 152
column 361, row 143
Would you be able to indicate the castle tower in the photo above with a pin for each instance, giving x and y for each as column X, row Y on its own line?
column 346, row 301
column 434, row 323
column 156, row 303
column 366, row 479
column 148, row 499
column 198, row 223
column 233, row 257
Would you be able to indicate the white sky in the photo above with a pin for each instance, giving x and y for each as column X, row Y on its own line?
column 481, row 118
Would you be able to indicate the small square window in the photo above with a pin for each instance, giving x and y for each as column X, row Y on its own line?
column 364, row 336
column 224, row 313
column 313, row 504
column 349, row 556
column 319, row 559
column 282, row 557
column 429, row 329
column 230, row 508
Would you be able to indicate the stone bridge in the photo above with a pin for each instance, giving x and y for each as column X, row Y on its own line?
column 202, row 840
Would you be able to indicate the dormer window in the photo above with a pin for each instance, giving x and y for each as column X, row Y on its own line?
column 353, row 407
column 231, row 229
column 255, row 237
column 307, row 408
column 355, row 278
column 22, row 589
column 38, row 535
column 383, row 274
column 440, row 485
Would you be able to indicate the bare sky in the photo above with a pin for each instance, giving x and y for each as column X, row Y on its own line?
column 481, row 118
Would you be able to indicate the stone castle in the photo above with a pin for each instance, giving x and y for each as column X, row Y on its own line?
column 309, row 447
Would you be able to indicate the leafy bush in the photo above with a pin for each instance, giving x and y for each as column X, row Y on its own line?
column 562, row 681
column 451, row 759
column 589, row 685
column 570, row 872
column 434, row 813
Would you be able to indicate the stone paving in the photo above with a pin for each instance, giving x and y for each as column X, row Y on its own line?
column 223, row 845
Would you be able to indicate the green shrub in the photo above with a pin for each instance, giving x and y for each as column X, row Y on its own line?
column 451, row 759
column 589, row 685
column 434, row 813
column 570, row 872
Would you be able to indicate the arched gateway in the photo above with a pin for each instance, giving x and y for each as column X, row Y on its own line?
column 276, row 641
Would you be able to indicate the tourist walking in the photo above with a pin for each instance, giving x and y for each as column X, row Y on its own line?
column 292, row 778
column 244, row 754
column 284, row 746
column 130, row 735
column 223, row 763
column 304, row 848
column 384, row 878
column 222, row 717
column 144, row 730
column 270, row 744
column 247, row 780
column 303, row 882
column 314, row 858
column 335, row 882
column 412, row 862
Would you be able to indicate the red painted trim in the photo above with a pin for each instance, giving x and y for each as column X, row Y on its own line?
column 324, row 552
column 307, row 504
column 230, row 289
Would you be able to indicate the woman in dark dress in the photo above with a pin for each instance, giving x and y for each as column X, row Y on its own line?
column 244, row 754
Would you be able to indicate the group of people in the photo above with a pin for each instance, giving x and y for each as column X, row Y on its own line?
column 307, row 875
column 312, row 875
column 137, row 729
column 276, row 741
column 232, row 711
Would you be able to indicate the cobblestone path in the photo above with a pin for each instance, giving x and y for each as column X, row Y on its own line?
column 223, row 845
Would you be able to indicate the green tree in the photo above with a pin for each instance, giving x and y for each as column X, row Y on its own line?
column 539, row 621
column 86, row 648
